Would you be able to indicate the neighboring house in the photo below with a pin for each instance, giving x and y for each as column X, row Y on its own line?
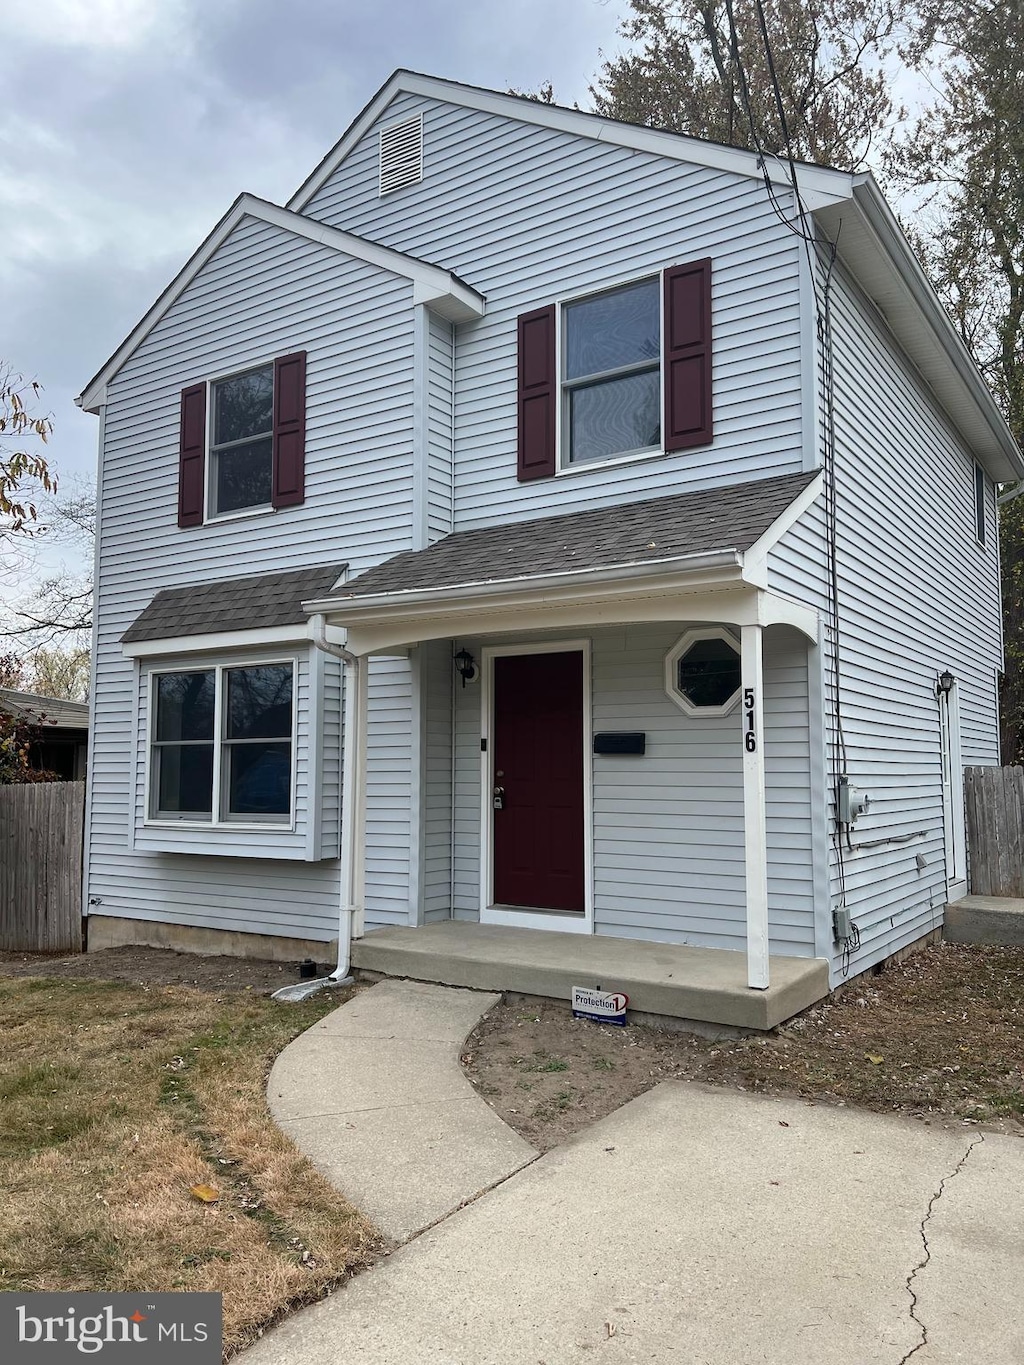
column 538, row 415
column 61, row 745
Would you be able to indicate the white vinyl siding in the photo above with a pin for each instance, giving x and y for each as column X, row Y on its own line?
column 917, row 594
column 263, row 292
column 440, row 429
column 528, row 215
column 668, row 824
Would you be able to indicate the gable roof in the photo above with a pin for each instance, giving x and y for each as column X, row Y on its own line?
column 819, row 184
column 850, row 208
column 265, row 601
column 444, row 292
column 722, row 518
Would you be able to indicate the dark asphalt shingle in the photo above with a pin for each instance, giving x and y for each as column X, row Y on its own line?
column 731, row 517
column 259, row 600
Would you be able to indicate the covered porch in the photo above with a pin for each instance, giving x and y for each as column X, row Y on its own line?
column 674, row 981
column 667, row 792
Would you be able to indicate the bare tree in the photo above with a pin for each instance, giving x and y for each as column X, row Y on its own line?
column 706, row 68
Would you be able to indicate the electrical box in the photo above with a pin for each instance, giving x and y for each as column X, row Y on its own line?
column 852, row 802
column 842, row 926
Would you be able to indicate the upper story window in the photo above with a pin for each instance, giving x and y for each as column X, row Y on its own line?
column 222, row 745
column 612, row 373
column 979, row 503
column 633, row 376
column 242, row 442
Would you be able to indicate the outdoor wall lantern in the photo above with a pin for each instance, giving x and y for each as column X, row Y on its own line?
column 945, row 683
column 465, row 666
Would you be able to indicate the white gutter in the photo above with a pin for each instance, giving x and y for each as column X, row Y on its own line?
column 567, row 580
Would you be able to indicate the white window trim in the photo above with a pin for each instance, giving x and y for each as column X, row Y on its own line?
column 676, row 653
column 561, row 922
column 258, row 509
column 563, row 464
column 152, row 821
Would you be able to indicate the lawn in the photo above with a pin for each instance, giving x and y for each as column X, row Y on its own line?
column 115, row 1101
column 939, row 1035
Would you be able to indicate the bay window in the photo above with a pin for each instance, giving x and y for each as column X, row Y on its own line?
column 222, row 744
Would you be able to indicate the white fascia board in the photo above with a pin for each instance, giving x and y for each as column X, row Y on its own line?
column 568, row 585
column 174, row 645
column 440, row 289
column 819, row 185
column 884, row 265
column 755, row 560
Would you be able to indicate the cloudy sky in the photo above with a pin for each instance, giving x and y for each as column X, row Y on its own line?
column 127, row 127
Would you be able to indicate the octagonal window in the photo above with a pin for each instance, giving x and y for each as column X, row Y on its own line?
column 703, row 672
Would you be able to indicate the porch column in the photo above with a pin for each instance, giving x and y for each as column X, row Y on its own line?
column 755, row 837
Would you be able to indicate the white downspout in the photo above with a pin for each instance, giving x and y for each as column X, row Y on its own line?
column 351, row 797
column 349, row 913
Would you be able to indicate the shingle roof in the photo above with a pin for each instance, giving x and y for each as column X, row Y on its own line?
column 53, row 710
column 260, row 600
column 723, row 518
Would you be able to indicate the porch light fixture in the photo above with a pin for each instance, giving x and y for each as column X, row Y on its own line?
column 945, row 682
column 465, row 666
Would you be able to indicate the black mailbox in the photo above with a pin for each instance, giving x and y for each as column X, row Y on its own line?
column 620, row 742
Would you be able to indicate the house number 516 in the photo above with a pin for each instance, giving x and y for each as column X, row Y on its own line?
column 749, row 731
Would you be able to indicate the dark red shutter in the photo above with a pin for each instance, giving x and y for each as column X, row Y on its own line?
column 538, row 393
column 192, row 456
column 290, row 430
column 687, row 358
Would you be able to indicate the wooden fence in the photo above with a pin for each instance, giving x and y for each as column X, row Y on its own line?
column 41, row 827
column 995, row 830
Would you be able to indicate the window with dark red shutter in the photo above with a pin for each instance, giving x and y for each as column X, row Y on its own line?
column 538, row 394
column 687, row 356
column 289, row 481
column 192, row 456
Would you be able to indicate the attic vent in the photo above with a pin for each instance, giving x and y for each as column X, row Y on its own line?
column 401, row 154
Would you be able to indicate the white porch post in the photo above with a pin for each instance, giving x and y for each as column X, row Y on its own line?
column 755, row 836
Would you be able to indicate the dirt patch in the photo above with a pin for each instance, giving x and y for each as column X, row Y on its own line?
column 939, row 1036
column 159, row 967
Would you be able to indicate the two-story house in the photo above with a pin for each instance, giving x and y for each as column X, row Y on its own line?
column 545, row 533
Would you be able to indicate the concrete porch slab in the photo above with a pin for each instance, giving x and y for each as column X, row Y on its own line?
column 705, row 984
column 985, row 919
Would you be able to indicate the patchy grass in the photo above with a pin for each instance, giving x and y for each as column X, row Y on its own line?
column 114, row 1100
column 941, row 1033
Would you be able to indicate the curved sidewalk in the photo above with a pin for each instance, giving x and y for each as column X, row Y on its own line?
column 375, row 1096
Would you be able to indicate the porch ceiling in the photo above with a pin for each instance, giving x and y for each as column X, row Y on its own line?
column 705, row 984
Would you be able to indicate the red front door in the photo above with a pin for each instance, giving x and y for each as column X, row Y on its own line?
column 538, row 765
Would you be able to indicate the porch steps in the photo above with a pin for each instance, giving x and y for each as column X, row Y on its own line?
column 985, row 919
column 704, row 984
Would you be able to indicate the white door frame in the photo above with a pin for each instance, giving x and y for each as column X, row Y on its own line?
column 562, row 922
column 953, row 809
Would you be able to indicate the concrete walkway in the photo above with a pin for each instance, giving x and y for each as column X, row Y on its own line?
column 694, row 1225
column 375, row 1096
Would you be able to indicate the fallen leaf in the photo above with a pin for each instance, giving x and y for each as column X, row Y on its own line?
column 873, row 1058
column 206, row 1194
